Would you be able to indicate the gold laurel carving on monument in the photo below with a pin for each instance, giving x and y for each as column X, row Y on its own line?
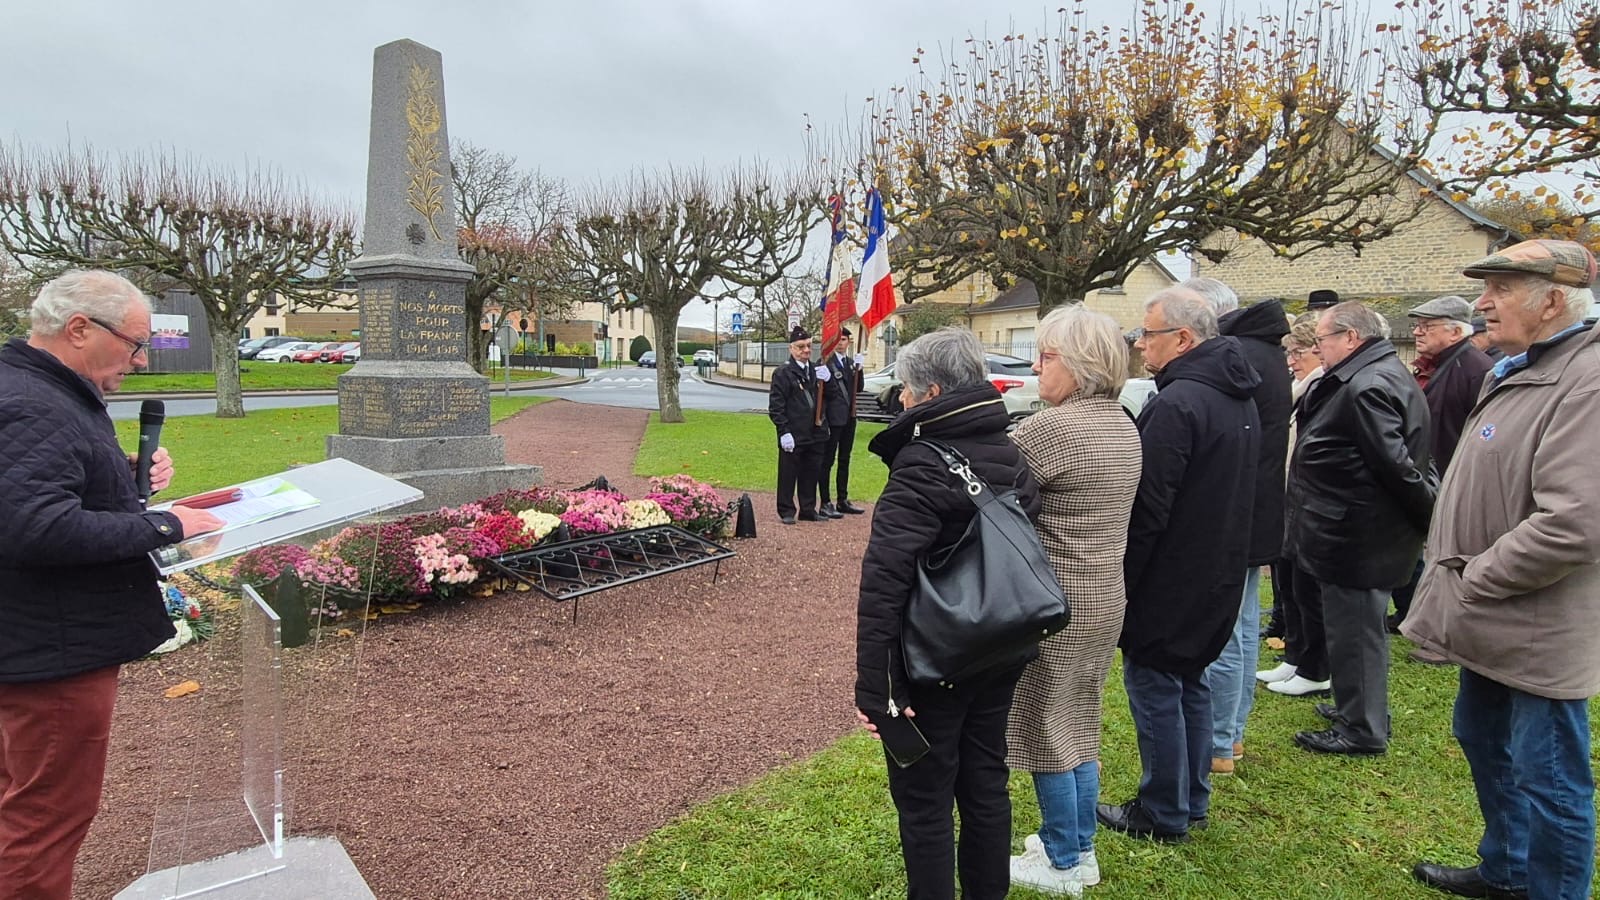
column 425, row 191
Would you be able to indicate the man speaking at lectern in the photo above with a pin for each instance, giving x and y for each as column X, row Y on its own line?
column 78, row 593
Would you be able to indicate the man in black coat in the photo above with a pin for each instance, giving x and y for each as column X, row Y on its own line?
column 1451, row 371
column 1359, row 496
column 794, row 405
column 1188, row 540
column 839, row 399
column 78, row 592
column 1260, row 330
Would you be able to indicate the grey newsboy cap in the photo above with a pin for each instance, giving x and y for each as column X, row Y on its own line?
column 1451, row 307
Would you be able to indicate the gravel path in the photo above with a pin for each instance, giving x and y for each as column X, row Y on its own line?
column 491, row 747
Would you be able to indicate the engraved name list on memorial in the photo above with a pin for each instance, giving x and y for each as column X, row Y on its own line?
column 407, row 409
column 377, row 322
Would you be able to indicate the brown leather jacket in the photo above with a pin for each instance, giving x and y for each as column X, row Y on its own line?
column 1511, row 589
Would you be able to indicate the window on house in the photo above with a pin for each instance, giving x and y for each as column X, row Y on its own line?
column 270, row 307
column 271, row 332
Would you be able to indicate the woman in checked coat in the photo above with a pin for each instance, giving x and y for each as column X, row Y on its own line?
column 1084, row 452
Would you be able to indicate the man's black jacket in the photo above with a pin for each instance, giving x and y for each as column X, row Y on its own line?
column 792, row 403
column 1360, row 487
column 1189, row 534
column 1260, row 330
column 839, row 399
column 77, row 590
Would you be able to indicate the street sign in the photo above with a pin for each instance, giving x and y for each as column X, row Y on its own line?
column 737, row 328
column 794, row 321
column 738, row 321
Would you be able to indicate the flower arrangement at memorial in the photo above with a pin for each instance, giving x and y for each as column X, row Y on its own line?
column 191, row 622
column 443, row 553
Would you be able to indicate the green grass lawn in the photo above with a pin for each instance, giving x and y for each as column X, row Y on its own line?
column 269, row 376
column 1288, row 824
column 739, row 451
column 210, row 452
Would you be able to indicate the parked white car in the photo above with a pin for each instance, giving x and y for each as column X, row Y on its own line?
column 285, row 352
column 1012, row 375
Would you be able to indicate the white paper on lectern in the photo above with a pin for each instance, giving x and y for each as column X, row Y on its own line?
column 338, row 491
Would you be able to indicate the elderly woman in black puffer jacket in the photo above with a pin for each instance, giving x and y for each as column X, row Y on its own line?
column 923, row 507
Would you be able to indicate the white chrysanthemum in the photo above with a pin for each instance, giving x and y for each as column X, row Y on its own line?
column 646, row 513
column 539, row 524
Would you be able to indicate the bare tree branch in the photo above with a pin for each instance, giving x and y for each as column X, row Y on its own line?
column 515, row 230
column 661, row 241
column 232, row 241
column 1067, row 160
column 1517, row 85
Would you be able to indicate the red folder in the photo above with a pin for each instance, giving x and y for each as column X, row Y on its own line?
column 211, row 498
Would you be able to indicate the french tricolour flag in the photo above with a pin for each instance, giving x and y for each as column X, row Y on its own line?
column 875, row 297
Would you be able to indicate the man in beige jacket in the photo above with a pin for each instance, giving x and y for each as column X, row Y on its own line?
column 1511, row 590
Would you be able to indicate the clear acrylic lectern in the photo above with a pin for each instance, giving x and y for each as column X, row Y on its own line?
column 223, row 831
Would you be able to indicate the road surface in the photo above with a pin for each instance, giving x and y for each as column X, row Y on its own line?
column 631, row 387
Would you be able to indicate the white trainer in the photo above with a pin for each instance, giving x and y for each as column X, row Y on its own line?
column 1088, row 867
column 1280, row 672
column 1300, row 687
column 1036, row 872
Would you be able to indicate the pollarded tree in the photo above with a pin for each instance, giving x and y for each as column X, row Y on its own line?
column 1516, row 86
column 1068, row 160
column 232, row 241
column 662, row 241
column 515, row 230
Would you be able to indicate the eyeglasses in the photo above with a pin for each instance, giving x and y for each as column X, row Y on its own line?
column 1045, row 356
column 138, row 346
column 1332, row 334
column 1297, row 352
column 1139, row 333
column 1425, row 327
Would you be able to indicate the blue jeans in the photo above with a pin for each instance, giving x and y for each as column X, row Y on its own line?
column 1530, row 764
column 1172, row 716
column 1066, row 804
column 1232, row 678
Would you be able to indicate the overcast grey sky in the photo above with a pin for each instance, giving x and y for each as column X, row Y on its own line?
column 583, row 91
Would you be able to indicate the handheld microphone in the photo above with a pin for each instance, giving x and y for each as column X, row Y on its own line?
column 151, row 414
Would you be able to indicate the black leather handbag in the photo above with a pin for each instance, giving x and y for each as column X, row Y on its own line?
column 987, row 600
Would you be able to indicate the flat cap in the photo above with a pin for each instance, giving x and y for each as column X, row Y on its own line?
column 1563, row 262
column 1478, row 325
column 1451, row 307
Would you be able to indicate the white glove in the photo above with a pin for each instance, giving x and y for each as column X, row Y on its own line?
column 861, row 360
column 786, row 441
column 824, row 373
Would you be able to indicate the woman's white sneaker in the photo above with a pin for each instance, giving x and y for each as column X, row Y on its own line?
column 1281, row 672
column 1088, row 867
column 1036, row 872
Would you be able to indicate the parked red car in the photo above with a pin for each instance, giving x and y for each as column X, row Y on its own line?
column 313, row 353
column 335, row 353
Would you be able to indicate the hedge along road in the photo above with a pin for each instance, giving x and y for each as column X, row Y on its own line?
column 631, row 387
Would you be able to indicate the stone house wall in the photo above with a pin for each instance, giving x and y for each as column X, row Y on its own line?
column 1422, row 259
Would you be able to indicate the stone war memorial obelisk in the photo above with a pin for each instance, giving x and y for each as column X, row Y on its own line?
column 413, row 408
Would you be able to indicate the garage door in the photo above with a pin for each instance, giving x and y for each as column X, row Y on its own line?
column 1022, row 343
